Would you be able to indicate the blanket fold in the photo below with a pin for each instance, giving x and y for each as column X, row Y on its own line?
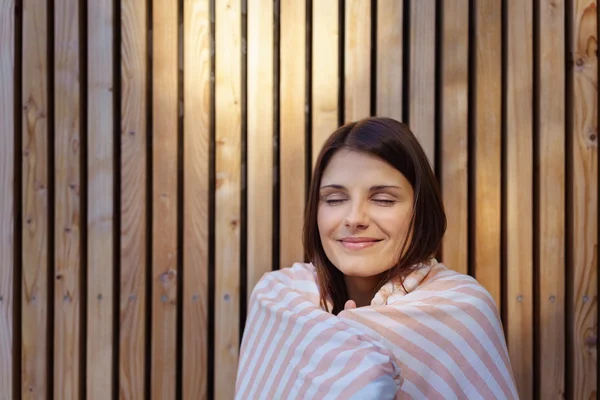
column 441, row 340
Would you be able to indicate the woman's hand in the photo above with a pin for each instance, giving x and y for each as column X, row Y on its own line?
column 350, row 304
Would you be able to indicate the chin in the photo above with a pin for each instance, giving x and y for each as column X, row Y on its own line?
column 358, row 270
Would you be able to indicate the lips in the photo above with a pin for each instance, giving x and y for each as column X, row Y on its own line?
column 358, row 243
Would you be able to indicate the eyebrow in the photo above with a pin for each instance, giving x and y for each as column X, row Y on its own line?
column 372, row 188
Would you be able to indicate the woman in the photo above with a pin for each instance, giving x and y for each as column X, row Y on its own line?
column 374, row 314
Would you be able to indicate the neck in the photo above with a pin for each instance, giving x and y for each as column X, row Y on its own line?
column 361, row 290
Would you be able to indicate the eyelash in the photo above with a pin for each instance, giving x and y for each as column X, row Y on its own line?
column 333, row 202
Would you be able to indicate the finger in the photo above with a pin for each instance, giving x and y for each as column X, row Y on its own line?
column 350, row 304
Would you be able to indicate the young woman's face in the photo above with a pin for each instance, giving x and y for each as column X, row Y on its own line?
column 364, row 212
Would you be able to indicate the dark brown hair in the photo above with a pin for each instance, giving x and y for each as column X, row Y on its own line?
column 394, row 143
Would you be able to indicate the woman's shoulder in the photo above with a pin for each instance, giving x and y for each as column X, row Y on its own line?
column 444, row 279
column 450, row 289
column 300, row 277
column 436, row 284
column 297, row 272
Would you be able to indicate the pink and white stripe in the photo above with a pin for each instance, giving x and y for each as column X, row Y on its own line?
column 442, row 340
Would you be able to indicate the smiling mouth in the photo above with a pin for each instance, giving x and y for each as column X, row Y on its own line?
column 358, row 243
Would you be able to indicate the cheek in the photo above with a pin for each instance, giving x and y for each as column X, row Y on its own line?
column 326, row 221
column 396, row 224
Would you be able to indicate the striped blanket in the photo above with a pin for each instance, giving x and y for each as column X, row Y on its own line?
column 442, row 340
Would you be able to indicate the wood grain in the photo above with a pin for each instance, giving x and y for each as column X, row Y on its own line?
column 196, row 131
column 519, row 199
column 164, row 197
column 390, row 55
column 227, row 196
column 34, row 297
column 454, row 134
column 325, row 72
column 260, row 146
column 487, row 142
column 293, row 161
column 132, row 357
column 7, row 210
column 68, row 224
column 584, row 213
column 551, row 178
column 100, row 223
column 357, row 60
column 421, row 106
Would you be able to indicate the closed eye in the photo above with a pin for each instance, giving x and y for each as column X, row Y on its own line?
column 384, row 201
column 333, row 202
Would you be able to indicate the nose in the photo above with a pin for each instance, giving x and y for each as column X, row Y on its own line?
column 357, row 217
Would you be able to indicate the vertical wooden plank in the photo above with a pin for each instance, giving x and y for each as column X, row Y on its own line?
column 519, row 207
column 134, row 73
column 357, row 60
column 292, row 129
column 227, row 197
column 35, row 201
column 422, row 74
column 487, row 142
column 100, row 200
column 7, row 217
column 164, row 196
column 67, row 363
column 197, row 112
column 551, row 206
column 454, row 125
column 389, row 58
column 260, row 140
column 584, row 212
column 325, row 72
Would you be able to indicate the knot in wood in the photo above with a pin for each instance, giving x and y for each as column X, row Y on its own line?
column 591, row 340
column 167, row 276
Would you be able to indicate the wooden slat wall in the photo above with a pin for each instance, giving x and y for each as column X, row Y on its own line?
column 518, row 169
column 454, row 121
column 485, row 144
column 389, row 53
column 196, row 193
column 35, row 146
column 292, row 128
column 69, row 193
column 260, row 149
column 583, row 198
column 325, row 72
column 133, row 194
column 228, row 139
column 357, row 60
column 550, row 223
column 154, row 158
column 100, row 205
column 7, row 201
column 165, row 201
column 421, row 74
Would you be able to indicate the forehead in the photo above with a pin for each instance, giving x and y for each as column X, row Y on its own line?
column 347, row 167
